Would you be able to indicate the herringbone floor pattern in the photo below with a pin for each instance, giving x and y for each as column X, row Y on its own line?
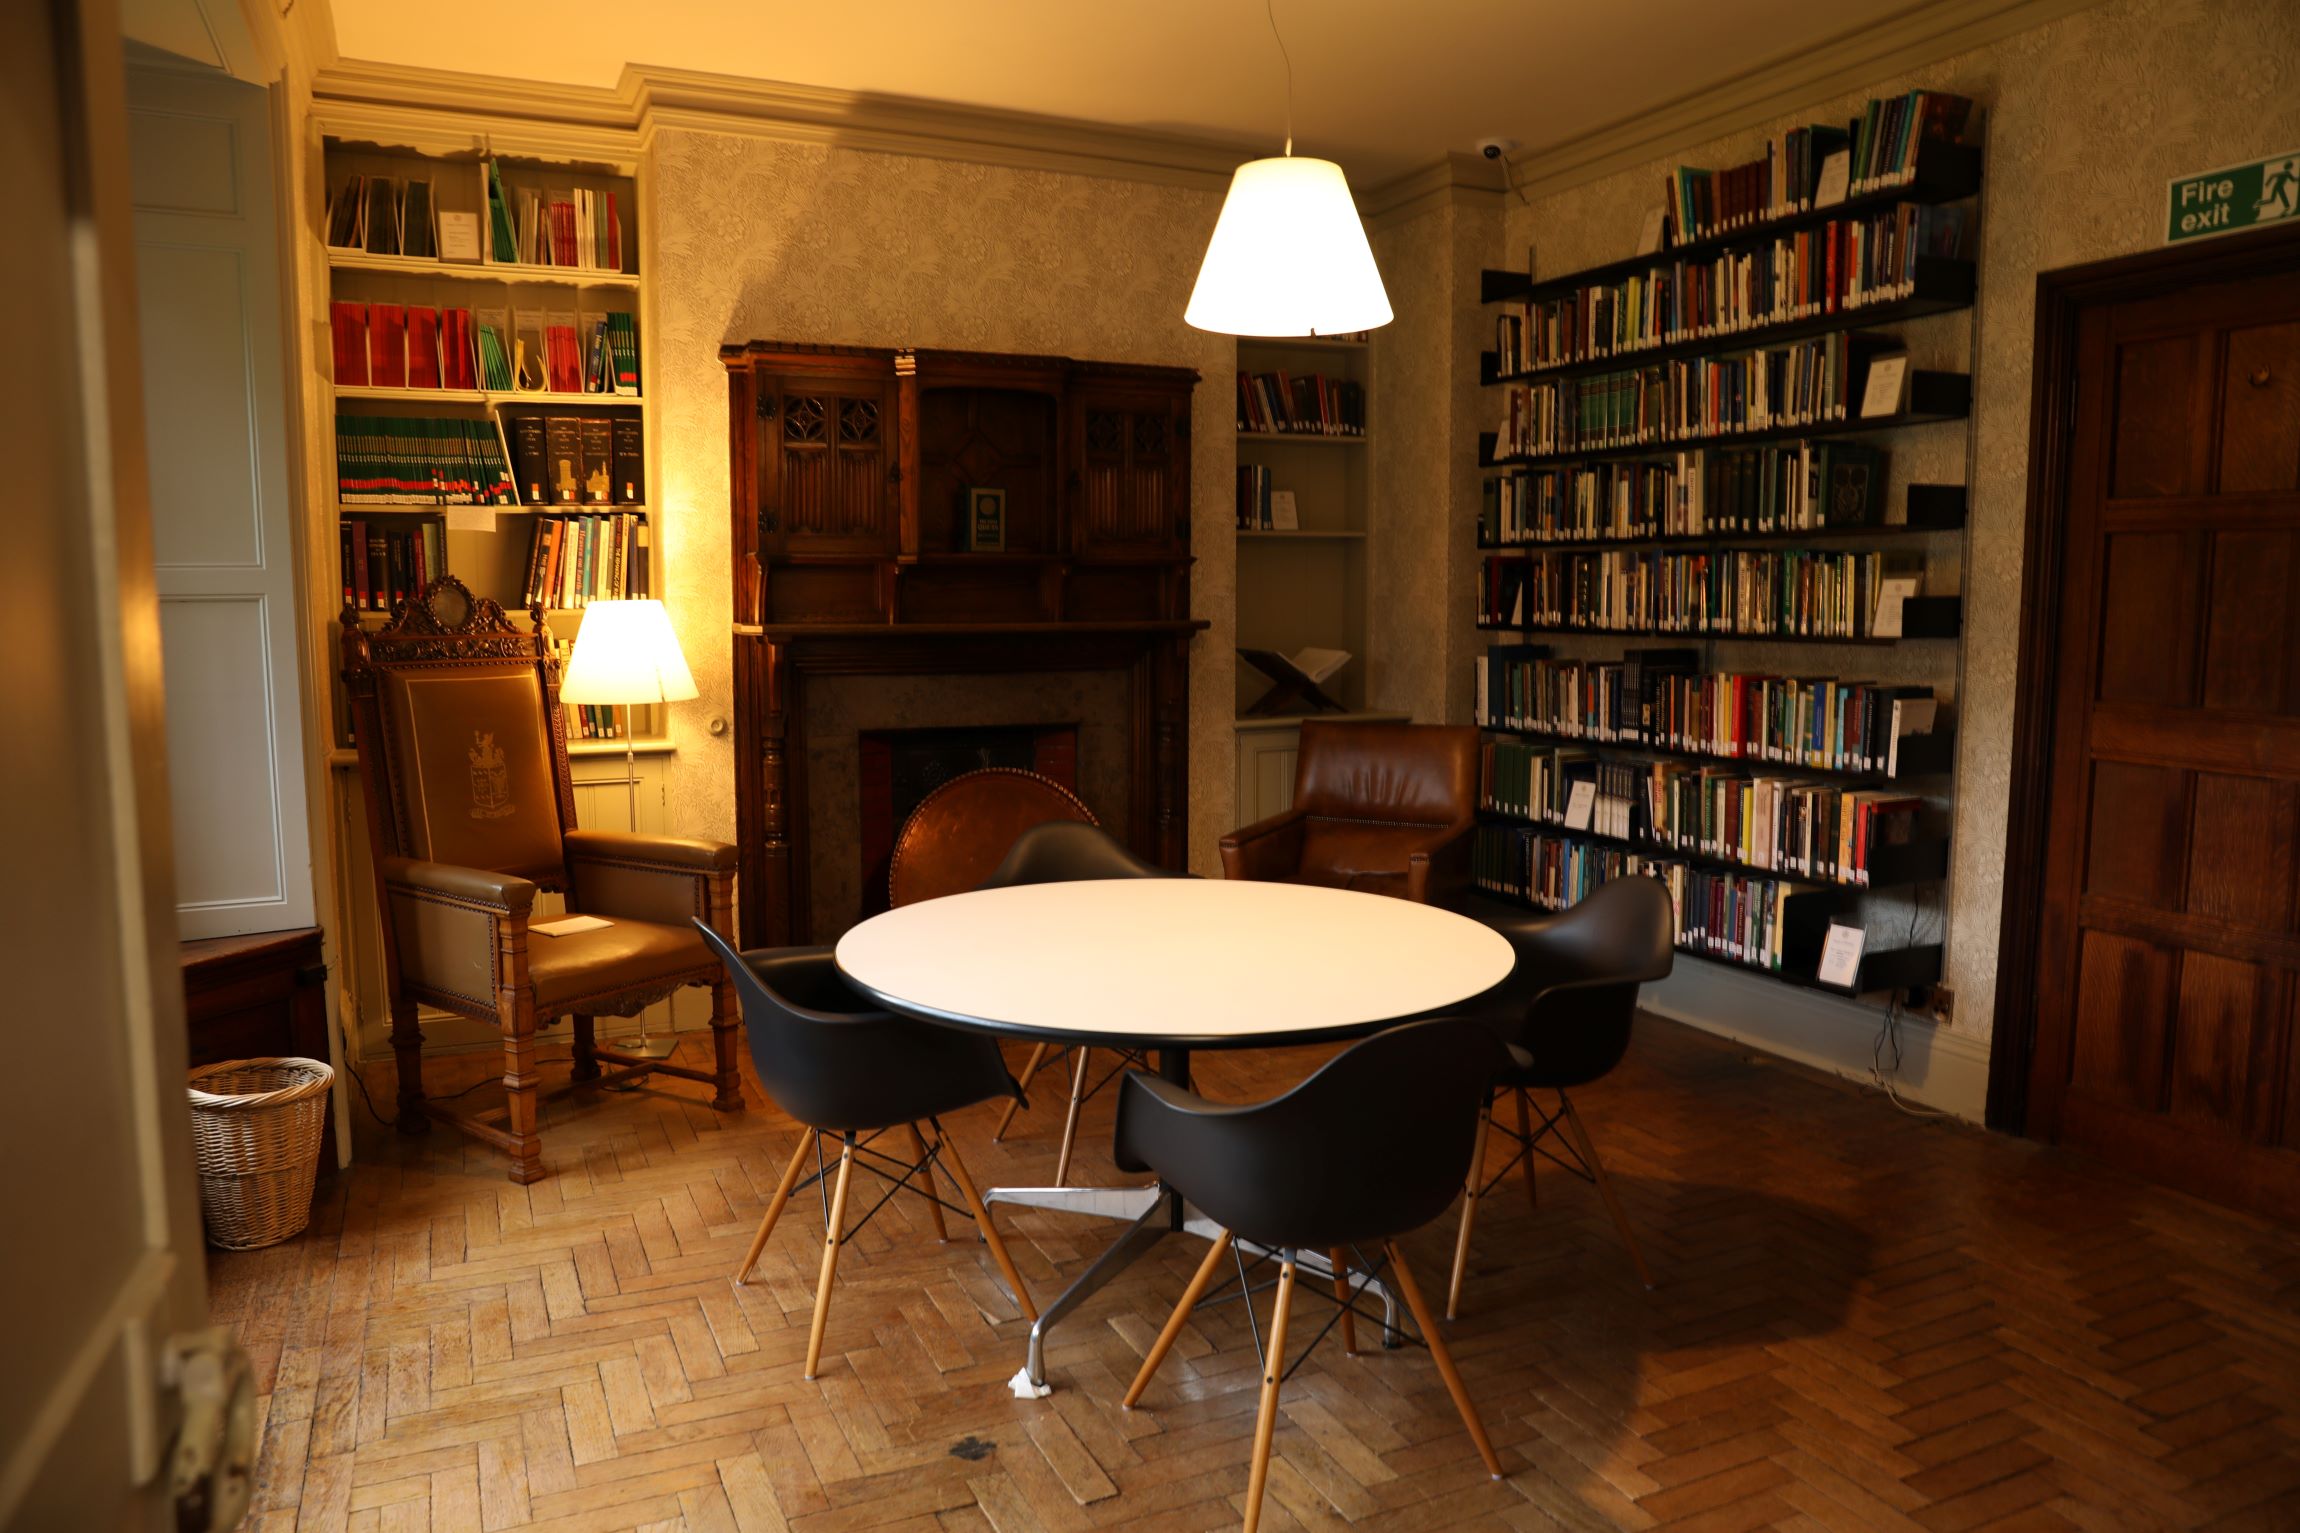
column 1862, row 1321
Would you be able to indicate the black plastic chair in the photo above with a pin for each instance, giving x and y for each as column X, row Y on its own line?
column 1067, row 851
column 1368, row 1148
column 841, row 1067
column 1566, row 1009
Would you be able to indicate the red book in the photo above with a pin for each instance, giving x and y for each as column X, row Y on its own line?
column 423, row 347
column 348, row 323
column 614, row 236
column 387, row 345
column 458, row 363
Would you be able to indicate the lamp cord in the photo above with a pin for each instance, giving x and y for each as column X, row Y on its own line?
column 1271, row 6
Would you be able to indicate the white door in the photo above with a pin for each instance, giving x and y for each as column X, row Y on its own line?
column 208, row 290
column 100, row 1259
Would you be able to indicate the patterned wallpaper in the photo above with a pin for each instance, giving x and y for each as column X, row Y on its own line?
column 2086, row 120
column 755, row 239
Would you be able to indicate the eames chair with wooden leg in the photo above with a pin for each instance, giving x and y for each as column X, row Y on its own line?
column 1068, row 851
column 852, row 1073
column 1566, row 1010
column 1338, row 1168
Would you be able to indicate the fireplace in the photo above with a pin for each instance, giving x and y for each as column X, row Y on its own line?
column 899, row 767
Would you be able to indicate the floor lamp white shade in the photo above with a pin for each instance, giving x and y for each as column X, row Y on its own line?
column 626, row 652
column 1289, row 256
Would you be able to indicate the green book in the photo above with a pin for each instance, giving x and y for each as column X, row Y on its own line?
column 503, row 247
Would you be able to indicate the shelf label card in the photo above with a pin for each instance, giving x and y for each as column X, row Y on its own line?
column 458, row 236
column 2264, row 191
column 1892, row 593
column 1841, row 956
column 1882, row 396
column 1580, row 805
column 471, row 519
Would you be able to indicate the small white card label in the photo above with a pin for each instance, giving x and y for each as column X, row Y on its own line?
column 1841, row 956
column 1883, row 394
column 1580, row 805
column 1285, row 515
column 1836, row 176
column 458, row 236
column 1892, row 592
column 471, row 519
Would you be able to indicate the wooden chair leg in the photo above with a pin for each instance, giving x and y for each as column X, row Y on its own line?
column 1525, row 1132
column 926, row 1171
column 586, row 1037
column 1411, row 1292
column 775, row 1205
column 1588, row 1149
column 1273, row 1370
column 1342, row 1297
column 982, row 1222
column 1199, row 1282
column 1468, row 1214
column 522, row 1118
column 726, row 1049
column 407, row 1053
column 1070, row 1123
column 1014, row 1104
column 831, row 1233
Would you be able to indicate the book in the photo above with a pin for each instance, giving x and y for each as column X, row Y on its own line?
column 423, row 370
column 419, row 236
column 387, row 345
column 563, row 365
column 493, row 331
column 630, row 460
column 380, row 227
column 563, row 452
column 596, row 454
column 347, row 330
column 502, row 243
column 529, row 461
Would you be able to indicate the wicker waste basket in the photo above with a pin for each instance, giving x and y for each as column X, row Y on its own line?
column 256, row 1137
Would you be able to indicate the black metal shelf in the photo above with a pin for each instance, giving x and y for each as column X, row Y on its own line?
column 1931, row 508
column 1933, row 397
column 1927, row 755
column 1891, row 867
column 1945, row 172
column 1943, row 286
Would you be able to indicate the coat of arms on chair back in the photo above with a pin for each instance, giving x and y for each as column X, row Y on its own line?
column 462, row 744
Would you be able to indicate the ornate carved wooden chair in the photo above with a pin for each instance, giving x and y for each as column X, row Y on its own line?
column 470, row 812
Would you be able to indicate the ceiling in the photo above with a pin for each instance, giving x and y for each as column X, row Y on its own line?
column 1384, row 86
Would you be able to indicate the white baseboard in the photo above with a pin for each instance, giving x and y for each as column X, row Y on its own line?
column 1939, row 1067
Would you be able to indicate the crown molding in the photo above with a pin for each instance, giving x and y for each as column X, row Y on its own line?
column 1923, row 35
column 1459, row 179
column 415, row 103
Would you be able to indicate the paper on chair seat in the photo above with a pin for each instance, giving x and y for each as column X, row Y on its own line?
column 568, row 926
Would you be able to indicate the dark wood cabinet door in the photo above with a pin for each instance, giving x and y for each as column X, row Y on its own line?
column 1132, row 457
column 826, row 460
column 2169, row 948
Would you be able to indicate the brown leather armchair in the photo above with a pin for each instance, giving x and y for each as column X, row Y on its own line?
column 471, row 812
column 1387, row 808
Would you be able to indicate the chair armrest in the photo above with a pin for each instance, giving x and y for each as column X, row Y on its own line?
column 1150, row 1109
column 1438, row 865
column 669, row 880
column 1269, row 850
column 445, row 925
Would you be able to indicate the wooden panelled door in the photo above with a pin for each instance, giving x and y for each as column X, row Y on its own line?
column 2168, row 944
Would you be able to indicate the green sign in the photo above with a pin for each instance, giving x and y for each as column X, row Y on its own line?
column 2235, row 197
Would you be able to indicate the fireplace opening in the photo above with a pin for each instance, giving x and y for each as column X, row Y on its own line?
column 900, row 767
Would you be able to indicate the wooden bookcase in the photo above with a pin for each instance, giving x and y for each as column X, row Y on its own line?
column 1307, row 587
column 1918, row 520
column 488, row 547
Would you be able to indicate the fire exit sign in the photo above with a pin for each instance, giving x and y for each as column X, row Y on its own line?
column 2235, row 197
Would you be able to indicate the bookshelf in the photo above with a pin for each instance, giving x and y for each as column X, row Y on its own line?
column 1640, row 326
column 600, row 273
column 1305, row 586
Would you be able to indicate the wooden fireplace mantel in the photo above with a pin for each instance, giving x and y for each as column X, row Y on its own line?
column 855, row 555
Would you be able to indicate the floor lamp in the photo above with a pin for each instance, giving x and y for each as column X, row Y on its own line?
column 626, row 653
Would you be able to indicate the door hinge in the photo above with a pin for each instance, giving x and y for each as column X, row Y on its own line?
column 211, row 1465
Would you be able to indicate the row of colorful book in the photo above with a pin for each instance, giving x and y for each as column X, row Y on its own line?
column 1702, row 492
column 580, row 558
column 1803, row 383
column 406, row 460
column 414, row 346
column 1809, row 593
column 384, row 563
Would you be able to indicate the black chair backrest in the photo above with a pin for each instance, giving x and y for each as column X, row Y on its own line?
column 1571, row 998
column 1065, row 851
column 1374, row 1144
column 833, row 1061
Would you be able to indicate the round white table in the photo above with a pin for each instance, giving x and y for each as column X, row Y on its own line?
column 1172, row 964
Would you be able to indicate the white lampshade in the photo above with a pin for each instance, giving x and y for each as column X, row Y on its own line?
column 1289, row 256
column 625, row 652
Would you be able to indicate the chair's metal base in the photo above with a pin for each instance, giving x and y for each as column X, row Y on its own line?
column 1155, row 1213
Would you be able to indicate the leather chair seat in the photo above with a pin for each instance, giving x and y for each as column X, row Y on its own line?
column 617, row 957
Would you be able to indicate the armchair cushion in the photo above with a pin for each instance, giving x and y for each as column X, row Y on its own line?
column 621, row 956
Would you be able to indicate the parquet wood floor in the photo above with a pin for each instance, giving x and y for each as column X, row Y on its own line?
column 1863, row 1321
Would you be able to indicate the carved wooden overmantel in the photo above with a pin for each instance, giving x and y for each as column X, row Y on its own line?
column 855, row 554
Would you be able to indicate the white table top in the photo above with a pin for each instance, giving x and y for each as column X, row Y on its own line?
column 1190, row 962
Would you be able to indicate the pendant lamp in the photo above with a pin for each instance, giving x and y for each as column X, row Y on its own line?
column 1289, row 253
